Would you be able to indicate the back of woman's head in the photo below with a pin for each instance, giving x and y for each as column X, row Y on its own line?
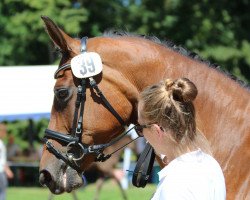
column 169, row 104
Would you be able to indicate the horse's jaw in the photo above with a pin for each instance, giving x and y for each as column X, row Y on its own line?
column 60, row 179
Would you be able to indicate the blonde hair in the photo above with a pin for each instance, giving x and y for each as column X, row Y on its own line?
column 170, row 105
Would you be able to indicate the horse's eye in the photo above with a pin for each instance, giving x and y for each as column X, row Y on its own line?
column 61, row 93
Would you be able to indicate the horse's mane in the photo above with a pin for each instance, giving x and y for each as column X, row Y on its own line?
column 170, row 44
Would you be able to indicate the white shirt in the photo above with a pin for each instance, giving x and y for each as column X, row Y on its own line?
column 193, row 175
column 2, row 156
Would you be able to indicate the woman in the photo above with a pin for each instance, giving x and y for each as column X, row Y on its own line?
column 166, row 116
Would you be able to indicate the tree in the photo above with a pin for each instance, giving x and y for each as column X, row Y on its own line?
column 22, row 38
column 217, row 30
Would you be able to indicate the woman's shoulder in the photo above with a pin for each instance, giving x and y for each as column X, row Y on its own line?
column 192, row 164
column 195, row 163
column 194, row 173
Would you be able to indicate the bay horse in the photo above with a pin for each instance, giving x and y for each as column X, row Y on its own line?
column 131, row 63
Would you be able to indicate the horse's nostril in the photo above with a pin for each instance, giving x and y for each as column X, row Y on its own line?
column 45, row 177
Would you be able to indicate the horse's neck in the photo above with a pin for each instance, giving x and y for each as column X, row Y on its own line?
column 222, row 105
column 223, row 109
column 219, row 97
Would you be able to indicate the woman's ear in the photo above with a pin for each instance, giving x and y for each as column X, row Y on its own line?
column 158, row 130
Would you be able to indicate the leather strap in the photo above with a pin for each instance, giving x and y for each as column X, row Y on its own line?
column 59, row 137
column 105, row 101
column 144, row 167
column 66, row 66
column 59, row 155
column 84, row 44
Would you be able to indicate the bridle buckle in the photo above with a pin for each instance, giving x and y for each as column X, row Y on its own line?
column 90, row 149
column 78, row 131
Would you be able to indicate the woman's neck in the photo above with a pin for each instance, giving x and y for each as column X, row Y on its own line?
column 175, row 149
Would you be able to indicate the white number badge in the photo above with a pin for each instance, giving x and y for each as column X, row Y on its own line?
column 86, row 65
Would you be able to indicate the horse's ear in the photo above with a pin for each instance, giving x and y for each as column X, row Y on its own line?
column 60, row 38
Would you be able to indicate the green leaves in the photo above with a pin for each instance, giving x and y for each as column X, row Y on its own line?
column 219, row 30
column 24, row 40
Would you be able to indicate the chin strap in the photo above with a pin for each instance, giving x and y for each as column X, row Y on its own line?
column 144, row 167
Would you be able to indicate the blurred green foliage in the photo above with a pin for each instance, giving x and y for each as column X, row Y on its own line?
column 23, row 131
column 23, row 39
column 217, row 30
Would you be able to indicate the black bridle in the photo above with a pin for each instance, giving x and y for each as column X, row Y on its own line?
column 73, row 142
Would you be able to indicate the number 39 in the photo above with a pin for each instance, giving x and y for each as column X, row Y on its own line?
column 88, row 66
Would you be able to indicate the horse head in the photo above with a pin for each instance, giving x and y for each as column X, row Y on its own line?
column 99, row 125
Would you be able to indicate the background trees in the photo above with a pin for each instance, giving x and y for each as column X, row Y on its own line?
column 216, row 30
column 22, row 37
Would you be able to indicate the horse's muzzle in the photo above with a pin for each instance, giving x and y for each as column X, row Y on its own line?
column 60, row 181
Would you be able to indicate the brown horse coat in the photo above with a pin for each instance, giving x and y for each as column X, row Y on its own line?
column 133, row 63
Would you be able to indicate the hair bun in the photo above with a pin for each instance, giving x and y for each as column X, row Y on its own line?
column 168, row 84
column 184, row 90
